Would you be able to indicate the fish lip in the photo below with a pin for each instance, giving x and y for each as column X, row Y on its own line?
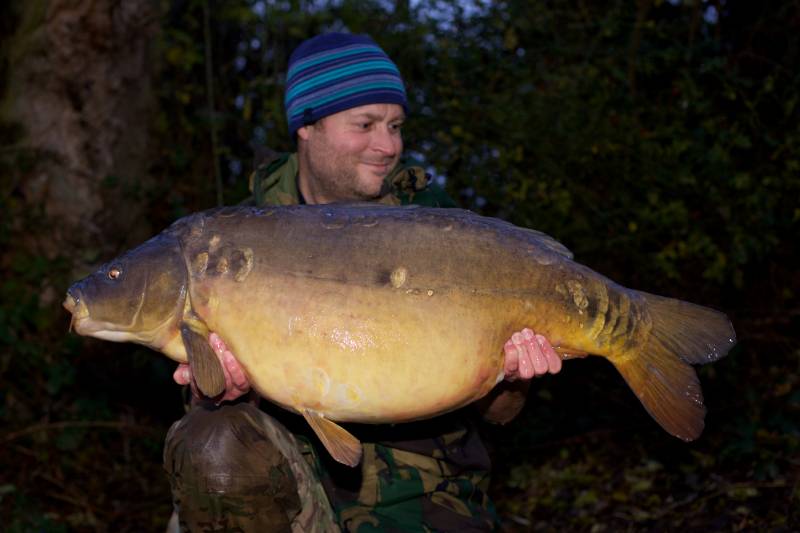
column 70, row 302
column 74, row 303
column 81, row 322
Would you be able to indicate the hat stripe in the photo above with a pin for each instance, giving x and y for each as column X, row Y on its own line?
column 393, row 88
column 304, row 99
column 323, row 79
column 330, row 56
column 335, row 64
column 349, row 102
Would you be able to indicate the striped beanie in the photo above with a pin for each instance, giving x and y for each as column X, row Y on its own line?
column 338, row 71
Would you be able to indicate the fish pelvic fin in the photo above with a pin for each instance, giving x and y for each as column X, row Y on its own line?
column 206, row 368
column 661, row 374
column 342, row 446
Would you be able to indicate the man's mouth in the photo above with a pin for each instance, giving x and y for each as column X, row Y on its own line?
column 380, row 167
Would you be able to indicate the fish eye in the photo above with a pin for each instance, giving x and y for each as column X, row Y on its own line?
column 114, row 272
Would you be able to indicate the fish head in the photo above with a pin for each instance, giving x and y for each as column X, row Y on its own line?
column 137, row 297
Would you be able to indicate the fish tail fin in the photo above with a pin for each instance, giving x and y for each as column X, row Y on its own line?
column 660, row 373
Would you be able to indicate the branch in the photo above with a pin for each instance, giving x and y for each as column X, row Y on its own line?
column 693, row 25
column 642, row 7
column 210, row 94
column 121, row 426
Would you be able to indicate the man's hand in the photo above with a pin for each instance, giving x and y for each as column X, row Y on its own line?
column 236, row 382
column 528, row 355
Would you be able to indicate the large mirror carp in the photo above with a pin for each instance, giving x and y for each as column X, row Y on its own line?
column 378, row 314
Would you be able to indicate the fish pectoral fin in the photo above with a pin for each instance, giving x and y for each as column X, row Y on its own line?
column 342, row 446
column 206, row 368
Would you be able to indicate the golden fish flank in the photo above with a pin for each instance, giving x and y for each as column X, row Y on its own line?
column 319, row 390
column 398, row 277
column 353, row 341
column 320, row 382
column 361, row 323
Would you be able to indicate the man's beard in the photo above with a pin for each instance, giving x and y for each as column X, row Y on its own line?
column 337, row 179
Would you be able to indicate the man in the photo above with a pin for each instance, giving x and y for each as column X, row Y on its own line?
column 345, row 104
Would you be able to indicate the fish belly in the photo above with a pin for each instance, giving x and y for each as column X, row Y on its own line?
column 362, row 354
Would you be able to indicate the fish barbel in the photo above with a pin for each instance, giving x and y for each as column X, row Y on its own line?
column 378, row 314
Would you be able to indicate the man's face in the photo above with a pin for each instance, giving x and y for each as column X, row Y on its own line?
column 349, row 154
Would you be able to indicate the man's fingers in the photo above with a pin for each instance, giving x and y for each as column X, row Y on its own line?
column 182, row 374
column 216, row 344
column 553, row 360
column 235, row 371
column 511, row 365
column 236, row 382
column 527, row 355
column 526, row 362
column 534, row 351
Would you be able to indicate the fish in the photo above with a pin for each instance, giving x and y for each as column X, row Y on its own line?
column 386, row 314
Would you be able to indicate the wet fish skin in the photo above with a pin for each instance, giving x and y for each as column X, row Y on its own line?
column 383, row 314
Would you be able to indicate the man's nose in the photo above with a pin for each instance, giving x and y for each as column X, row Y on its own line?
column 386, row 141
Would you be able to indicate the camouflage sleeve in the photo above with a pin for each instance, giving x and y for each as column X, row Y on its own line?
column 412, row 185
column 274, row 183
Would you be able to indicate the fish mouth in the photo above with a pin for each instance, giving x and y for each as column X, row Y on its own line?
column 77, row 308
column 71, row 302
column 83, row 324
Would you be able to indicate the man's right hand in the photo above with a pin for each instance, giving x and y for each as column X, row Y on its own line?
column 236, row 382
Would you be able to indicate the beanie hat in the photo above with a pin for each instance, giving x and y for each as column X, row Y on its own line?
column 338, row 71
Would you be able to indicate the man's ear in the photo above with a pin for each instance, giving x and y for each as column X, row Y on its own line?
column 303, row 132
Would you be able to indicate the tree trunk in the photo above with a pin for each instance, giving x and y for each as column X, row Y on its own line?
column 79, row 89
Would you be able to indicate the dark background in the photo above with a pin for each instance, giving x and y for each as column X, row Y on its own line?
column 659, row 140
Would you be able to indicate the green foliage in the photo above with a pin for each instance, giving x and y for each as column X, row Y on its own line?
column 560, row 119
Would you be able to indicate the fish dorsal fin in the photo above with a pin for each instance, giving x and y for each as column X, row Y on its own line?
column 342, row 446
column 547, row 241
column 532, row 236
column 206, row 368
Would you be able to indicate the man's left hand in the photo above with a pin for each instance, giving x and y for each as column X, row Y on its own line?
column 527, row 355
